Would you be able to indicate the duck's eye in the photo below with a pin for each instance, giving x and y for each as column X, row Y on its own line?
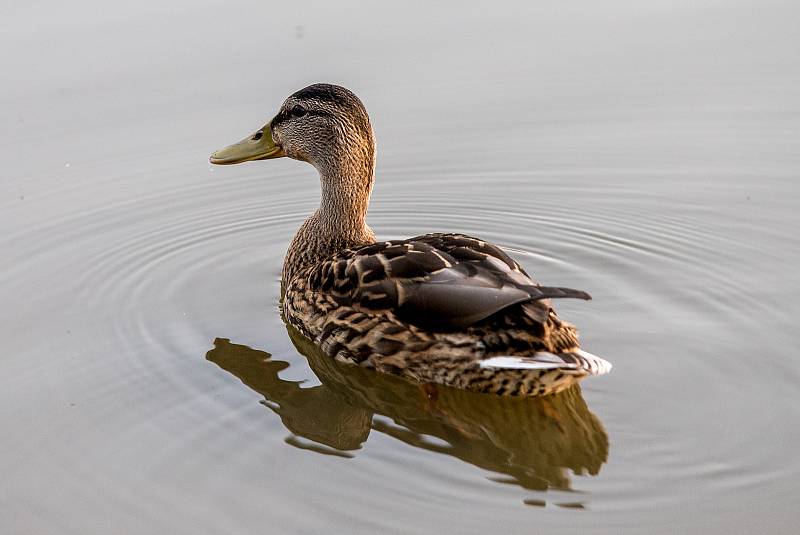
column 298, row 111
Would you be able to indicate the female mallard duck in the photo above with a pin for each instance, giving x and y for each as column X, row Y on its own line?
column 438, row 308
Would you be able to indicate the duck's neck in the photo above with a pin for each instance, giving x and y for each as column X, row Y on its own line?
column 346, row 185
column 340, row 221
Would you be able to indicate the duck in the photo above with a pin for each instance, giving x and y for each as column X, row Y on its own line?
column 439, row 309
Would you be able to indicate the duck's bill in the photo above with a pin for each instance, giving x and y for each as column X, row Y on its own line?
column 259, row 146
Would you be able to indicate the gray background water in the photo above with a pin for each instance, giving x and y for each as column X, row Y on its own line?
column 645, row 152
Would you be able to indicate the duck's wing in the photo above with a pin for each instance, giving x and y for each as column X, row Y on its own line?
column 436, row 281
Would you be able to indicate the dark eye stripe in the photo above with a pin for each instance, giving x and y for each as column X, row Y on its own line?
column 286, row 115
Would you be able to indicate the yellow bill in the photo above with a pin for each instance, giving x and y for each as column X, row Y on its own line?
column 259, row 146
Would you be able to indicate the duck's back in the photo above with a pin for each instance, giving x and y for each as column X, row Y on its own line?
column 441, row 308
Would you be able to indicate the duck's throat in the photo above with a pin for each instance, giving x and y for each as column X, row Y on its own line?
column 340, row 221
column 346, row 186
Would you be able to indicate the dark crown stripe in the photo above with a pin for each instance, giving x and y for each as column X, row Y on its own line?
column 324, row 92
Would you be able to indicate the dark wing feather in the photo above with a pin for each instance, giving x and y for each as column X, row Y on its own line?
column 435, row 281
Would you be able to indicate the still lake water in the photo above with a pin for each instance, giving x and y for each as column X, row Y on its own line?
column 649, row 154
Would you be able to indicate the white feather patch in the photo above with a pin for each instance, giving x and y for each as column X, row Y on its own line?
column 594, row 364
column 586, row 362
column 527, row 363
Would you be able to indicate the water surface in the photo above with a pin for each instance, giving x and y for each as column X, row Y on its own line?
column 647, row 154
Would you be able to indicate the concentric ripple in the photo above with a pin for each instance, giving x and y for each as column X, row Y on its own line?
column 166, row 271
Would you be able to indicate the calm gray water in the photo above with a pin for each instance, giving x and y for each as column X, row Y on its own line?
column 648, row 154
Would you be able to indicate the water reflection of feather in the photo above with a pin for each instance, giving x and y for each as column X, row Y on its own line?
column 531, row 442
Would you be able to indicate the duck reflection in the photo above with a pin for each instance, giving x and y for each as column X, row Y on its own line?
column 530, row 442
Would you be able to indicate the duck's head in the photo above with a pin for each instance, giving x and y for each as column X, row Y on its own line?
column 323, row 124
